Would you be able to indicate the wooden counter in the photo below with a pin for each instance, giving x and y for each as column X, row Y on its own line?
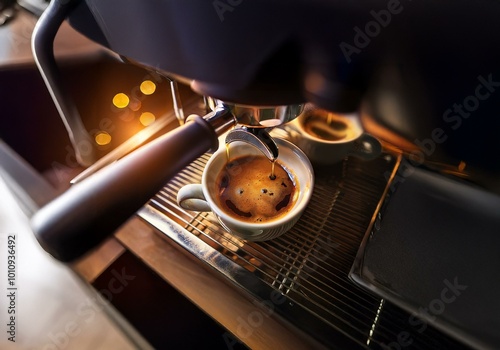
column 241, row 316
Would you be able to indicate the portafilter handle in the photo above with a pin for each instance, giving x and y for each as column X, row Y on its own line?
column 91, row 210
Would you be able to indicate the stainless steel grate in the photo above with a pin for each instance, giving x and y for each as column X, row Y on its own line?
column 309, row 265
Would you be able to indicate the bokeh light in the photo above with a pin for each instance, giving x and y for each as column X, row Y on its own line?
column 148, row 87
column 147, row 118
column 121, row 100
column 102, row 138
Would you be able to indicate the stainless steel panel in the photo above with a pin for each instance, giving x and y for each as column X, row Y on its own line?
column 303, row 275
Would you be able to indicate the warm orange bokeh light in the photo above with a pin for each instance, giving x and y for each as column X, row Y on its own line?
column 102, row 138
column 121, row 100
column 148, row 87
column 147, row 118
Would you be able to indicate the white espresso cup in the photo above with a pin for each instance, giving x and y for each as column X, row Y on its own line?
column 205, row 196
column 327, row 138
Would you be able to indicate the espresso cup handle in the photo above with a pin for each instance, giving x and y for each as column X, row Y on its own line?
column 366, row 147
column 191, row 197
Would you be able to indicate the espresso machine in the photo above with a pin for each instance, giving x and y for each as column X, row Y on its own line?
column 421, row 76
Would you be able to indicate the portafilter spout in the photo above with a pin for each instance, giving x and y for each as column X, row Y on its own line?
column 255, row 121
column 259, row 117
column 258, row 138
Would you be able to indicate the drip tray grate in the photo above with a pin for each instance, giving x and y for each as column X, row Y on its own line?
column 309, row 265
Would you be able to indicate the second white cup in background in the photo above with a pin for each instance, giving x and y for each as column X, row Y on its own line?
column 327, row 138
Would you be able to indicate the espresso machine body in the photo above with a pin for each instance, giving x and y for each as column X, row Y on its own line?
column 411, row 67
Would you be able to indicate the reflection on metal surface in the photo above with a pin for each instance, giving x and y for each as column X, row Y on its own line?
column 375, row 322
column 259, row 116
column 258, row 138
column 309, row 265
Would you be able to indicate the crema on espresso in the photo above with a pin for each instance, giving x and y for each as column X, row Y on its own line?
column 248, row 192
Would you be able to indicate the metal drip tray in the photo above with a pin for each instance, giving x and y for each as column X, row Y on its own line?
column 303, row 275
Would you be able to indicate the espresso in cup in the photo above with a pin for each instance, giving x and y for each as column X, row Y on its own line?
column 254, row 189
column 245, row 197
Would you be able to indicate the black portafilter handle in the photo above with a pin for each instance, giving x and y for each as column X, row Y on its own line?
column 82, row 217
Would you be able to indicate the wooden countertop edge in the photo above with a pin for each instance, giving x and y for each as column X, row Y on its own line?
column 251, row 323
column 93, row 265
